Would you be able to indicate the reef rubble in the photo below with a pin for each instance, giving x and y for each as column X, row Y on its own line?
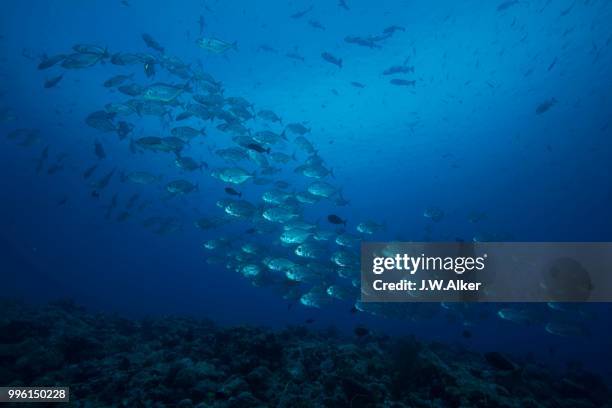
column 108, row 360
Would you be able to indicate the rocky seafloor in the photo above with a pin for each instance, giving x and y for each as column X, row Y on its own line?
column 179, row 362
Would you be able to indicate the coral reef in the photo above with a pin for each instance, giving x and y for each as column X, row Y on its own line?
column 179, row 362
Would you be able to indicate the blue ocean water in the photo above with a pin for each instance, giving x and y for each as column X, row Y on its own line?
column 467, row 138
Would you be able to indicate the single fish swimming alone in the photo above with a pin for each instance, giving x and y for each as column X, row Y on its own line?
column 216, row 46
column 506, row 5
column 151, row 43
column 99, row 150
column 52, row 82
column 398, row 69
column 545, row 106
column 300, row 14
column 332, row 59
column 402, row 82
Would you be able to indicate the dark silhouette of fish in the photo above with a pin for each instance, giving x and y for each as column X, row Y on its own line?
column 332, row 59
column 316, row 24
column 258, row 148
column 567, row 10
column 295, row 56
column 99, row 150
column 149, row 69
column 398, row 69
column 302, row 13
column 392, row 29
column 364, row 42
column 506, row 5
column 62, row 201
column 201, row 24
column 402, row 82
column 545, row 106
column 233, row 192
column 48, row 62
column 267, row 48
column 361, row 331
column 51, row 82
column 334, row 219
column 151, row 43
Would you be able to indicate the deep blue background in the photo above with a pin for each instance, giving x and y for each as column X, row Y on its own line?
column 465, row 139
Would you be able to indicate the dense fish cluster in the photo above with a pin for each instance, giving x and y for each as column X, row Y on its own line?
column 310, row 261
column 251, row 152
